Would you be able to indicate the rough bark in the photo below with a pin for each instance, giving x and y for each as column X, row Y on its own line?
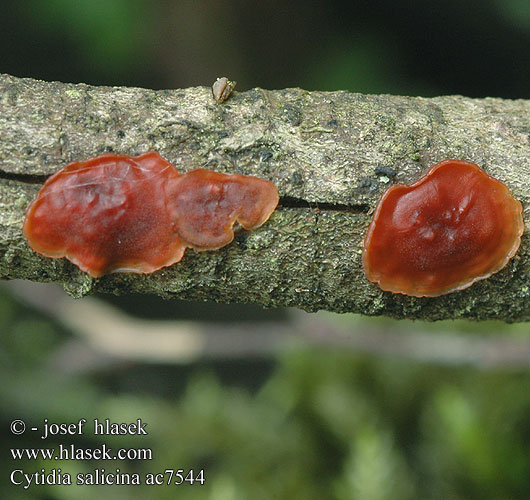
column 331, row 154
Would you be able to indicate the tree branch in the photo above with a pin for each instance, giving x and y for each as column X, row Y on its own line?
column 331, row 154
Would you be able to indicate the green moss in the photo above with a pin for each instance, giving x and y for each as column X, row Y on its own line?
column 73, row 93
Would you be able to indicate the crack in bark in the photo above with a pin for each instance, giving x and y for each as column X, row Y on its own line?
column 25, row 178
column 291, row 202
column 285, row 201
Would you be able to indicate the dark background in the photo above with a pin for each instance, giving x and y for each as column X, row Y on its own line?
column 446, row 418
column 409, row 47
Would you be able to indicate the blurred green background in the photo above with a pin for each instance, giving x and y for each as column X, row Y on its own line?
column 344, row 407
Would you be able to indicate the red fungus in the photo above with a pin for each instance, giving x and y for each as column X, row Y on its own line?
column 452, row 227
column 137, row 214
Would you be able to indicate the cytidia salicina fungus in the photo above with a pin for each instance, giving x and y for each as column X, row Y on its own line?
column 452, row 227
column 116, row 213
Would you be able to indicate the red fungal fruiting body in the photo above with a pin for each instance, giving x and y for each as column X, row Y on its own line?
column 118, row 213
column 452, row 227
column 206, row 204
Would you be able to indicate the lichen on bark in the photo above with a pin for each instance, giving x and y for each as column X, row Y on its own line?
column 331, row 154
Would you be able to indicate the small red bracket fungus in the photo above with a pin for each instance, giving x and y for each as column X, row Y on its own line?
column 452, row 227
column 118, row 213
